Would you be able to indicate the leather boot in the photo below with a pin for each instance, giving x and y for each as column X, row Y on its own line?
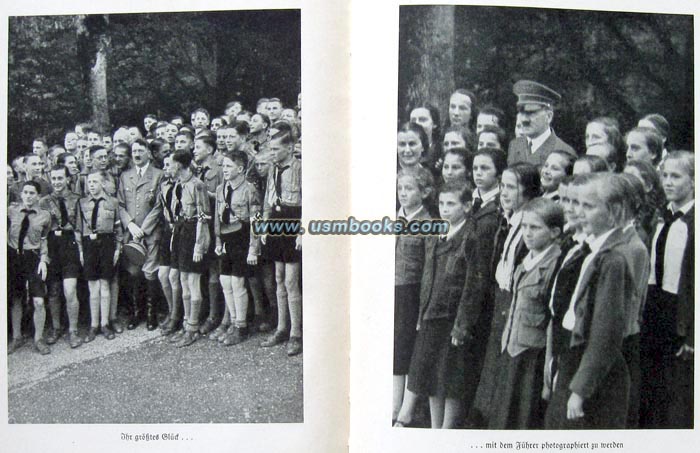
column 151, row 301
column 135, row 311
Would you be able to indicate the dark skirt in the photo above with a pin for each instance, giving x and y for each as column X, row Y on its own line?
column 234, row 260
column 283, row 248
column 666, row 381
column 406, row 304
column 481, row 408
column 437, row 368
column 605, row 409
column 517, row 401
column 184, row 238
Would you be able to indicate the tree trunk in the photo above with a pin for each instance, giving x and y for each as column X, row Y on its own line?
column 98, row 85
column 434, row 79
column 93, row 49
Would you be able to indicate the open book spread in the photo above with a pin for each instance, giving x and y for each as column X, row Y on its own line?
column 213, row 246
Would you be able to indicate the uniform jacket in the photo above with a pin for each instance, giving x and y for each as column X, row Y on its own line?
column 51, row 204
column 517, row 150
column 139, row 200
column 605, row 288
column 290, row 191
column 442, row 282
column 39, row 226
column 212, row 177
column 528, row 316
column 410, row 255
column 193, row 205
column 245, row 205
column 107, row 219
column 477, row 294
column 637, row 259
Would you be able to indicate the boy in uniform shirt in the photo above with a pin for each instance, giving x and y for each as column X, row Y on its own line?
column 63, row 251
column 27, row 259
column 209, row 172
column 99, row 236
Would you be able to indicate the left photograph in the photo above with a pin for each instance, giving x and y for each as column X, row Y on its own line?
column 151, row 159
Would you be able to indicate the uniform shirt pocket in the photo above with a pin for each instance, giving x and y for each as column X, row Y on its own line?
column 532, row 329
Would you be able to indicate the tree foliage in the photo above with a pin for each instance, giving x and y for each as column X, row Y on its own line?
column 623, row 65
column 162, row 63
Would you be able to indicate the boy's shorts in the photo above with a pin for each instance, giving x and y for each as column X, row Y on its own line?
column 23, row 274
column 98, row 254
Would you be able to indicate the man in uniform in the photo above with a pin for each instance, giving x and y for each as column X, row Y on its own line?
column 139, row 210
column 535, row 113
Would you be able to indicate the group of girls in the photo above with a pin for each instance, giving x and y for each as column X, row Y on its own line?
column 559, row 299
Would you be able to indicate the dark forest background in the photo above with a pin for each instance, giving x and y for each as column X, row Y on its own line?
column 623, row 65
column 111, row 70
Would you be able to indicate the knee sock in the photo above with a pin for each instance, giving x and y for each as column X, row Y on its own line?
column 282, row 309
column 55, row 310
column 228, row 295
column 214, row 302
column 94, row 309
column 39, row 319
column 240, row 298
column 16, row 314
column 295, row 315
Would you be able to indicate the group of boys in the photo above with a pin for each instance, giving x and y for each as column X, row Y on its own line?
column 75, row 210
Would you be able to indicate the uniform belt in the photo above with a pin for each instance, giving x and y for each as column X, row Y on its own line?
column 186, row 219
column 61, row 233
column 96, row 236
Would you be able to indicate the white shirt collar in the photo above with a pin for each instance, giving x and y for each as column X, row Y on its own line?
column 596, row 243
column 685, row 208
column 486, row 197
column 455, row 229
column 536, row 142
column 142, row 170
column 402, row 213
column 530, row 261
column 516, row 218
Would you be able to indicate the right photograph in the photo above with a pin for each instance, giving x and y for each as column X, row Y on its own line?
column 559, row 146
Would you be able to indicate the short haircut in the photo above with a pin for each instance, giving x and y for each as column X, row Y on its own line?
column 422, row 176
column 551, row 212
column 686, row 159
column 262, row 101
column 611, row 127
column 462, row 189
column 186, row 133
column 95, row 148
column 596, row 163
column 232, row 103
column 125, row 146
column 660, row 124
column 651, row 178
column 182, row 157
column 528, row 176
column 41, row 140
column 238, row 157
column 63, row 168
column 223, row 119
column 653, row 140
column 464, row 154
column 275, row 100
column 156, row 146
column 467, row 136
column 265, row 118
column 500, row 133
column 34, row 184
column 142, row 142
column 568, row 161
column 176, row 117
column 613, row 191
column 419, row 131
column 207, row 139
column 187, row 128
column 497, row 156
column 202, row 110
column 241, row 127
column 284, row 137
column 151, row 116
column 493, row 111
column 61, row 158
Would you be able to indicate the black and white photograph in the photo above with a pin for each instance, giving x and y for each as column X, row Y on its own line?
column 146, row 155
column 559, row 144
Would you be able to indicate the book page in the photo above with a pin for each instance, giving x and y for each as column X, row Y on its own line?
column 139, row 391
column 386, row 89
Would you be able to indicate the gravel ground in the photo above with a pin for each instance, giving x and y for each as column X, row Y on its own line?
column 141, row 378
